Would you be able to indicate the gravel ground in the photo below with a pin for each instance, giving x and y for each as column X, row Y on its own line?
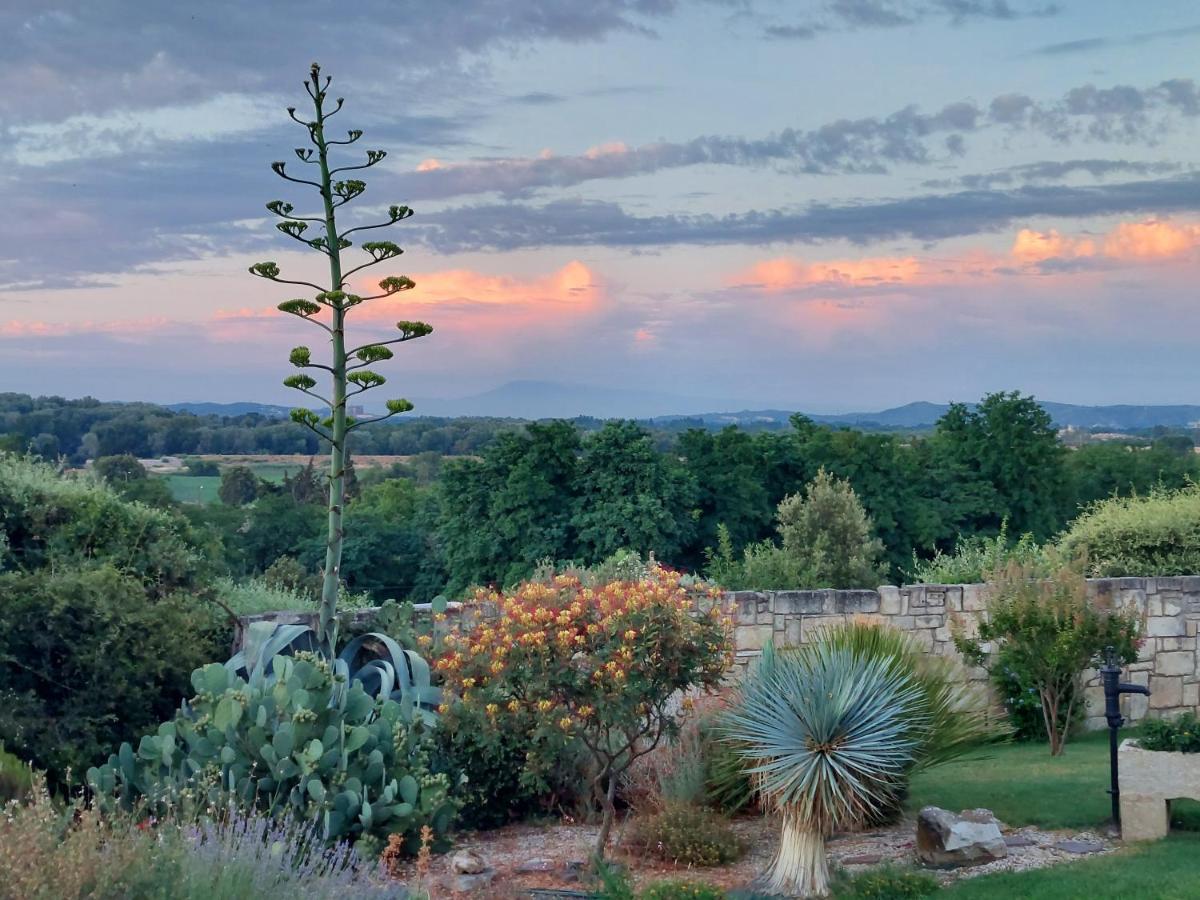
column 523, row 857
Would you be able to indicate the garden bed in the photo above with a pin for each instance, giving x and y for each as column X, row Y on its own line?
column 550, row 856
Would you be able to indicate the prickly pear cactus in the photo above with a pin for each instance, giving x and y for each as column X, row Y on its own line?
column 302, row 740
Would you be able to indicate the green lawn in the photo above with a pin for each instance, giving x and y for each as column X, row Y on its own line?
column 1024, row 785
column 193, row 488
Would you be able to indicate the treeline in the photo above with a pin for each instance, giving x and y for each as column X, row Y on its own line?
column 550, row 491
column 79, row 430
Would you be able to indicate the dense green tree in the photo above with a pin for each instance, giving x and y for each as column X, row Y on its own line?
column 1105, row 469
column 1007, row 443
column 239, row 486
column 631, row 497
column 503, row 514
column 130, row 479
column 729, row 471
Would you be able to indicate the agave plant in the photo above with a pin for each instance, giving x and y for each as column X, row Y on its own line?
column 830, row 734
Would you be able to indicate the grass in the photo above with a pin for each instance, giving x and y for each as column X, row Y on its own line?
column 193, row 488
column 1023, row 785
column 1163, row 870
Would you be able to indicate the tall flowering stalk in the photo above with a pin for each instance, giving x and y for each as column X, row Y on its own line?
column 328, row 308
column 603, row 667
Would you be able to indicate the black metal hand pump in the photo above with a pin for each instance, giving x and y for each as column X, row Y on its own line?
column 1110, row 672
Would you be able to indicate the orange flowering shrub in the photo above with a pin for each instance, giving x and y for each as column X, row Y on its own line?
column 598, row 668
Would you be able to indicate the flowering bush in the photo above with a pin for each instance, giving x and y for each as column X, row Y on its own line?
column 1042, row 634
column 601, row 668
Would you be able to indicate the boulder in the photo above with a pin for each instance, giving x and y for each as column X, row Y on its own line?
column 947, row 841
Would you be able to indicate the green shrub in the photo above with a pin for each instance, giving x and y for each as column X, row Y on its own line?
column 827, row 540
column 1158, row 534
column 886, row 883
column 685, row 835
column 1043, row 633
column 1179, row 735
column 681, row 890
column 301, row 742
column 258, row 595
column 88, row 657
column 102, row 615
column 975, row 559
column 16, row 777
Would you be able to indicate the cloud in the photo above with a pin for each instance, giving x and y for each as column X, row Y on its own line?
column 125, row 54
column 866, row 145
column 1086, row 45
column 1055, row 170
column 855, row 15
column 510, row 226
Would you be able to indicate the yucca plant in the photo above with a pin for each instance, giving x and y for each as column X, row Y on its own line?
column 830, row 734
column 959, row 718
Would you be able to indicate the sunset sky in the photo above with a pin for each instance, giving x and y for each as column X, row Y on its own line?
column 753, row 203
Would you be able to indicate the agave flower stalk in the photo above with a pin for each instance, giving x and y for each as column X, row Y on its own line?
column 328, row 308
column 829, row 733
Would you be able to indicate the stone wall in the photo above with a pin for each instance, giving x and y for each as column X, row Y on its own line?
column 1169, row 609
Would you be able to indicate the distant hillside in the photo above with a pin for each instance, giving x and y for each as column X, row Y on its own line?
column 924, row 415
column 531, row 400
column 232, row 409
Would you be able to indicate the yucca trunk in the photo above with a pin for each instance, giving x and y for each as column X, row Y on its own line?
column 799, row 867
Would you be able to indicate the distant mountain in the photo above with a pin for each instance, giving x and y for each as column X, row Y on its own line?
column 924, row 415
column 552, row 400
column 232, row 409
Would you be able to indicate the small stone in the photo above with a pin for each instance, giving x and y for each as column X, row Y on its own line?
column 862, row 859
column 467, row 862
column 1018, row 840
column 468, row 884
column 945, row 840
column 573, row 869
column 1079, row 847
column 535, row 865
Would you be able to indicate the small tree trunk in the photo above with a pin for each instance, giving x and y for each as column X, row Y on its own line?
column 799, row 867
column 610, row 814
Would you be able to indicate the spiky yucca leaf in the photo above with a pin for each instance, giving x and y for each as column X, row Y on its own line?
column 829, row 733
column 957, row 709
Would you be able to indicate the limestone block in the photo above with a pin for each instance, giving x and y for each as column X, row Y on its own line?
column 1172, row 603
column 923, row 638
column 850, row 602
column 791, row 633
column 1171, row 644
column 1191, row 695
column 974, row 597
column 1165, row 626
column 753, row 637
column 746, row 604
column 889, row 600
column 930, row 621
column 1093, row 699
column 1148, row 650
column 1181, row 662
column 1165, row 692
column 1148, row 780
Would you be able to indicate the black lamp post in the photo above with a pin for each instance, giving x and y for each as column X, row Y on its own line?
column 1113, row 689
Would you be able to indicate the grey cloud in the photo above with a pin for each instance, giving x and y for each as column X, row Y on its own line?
column 1055, row 170
column 501, row 227
column 1084, row 45
column 867, row 145
column 849, row 15
column 123, row 54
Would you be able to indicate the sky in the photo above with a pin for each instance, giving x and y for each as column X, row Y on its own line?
column 830, row 206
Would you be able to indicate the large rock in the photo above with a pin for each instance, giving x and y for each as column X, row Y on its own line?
column 947, row 841
column 467, row 862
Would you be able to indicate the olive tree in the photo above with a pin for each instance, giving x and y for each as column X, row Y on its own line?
column 347, row 371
